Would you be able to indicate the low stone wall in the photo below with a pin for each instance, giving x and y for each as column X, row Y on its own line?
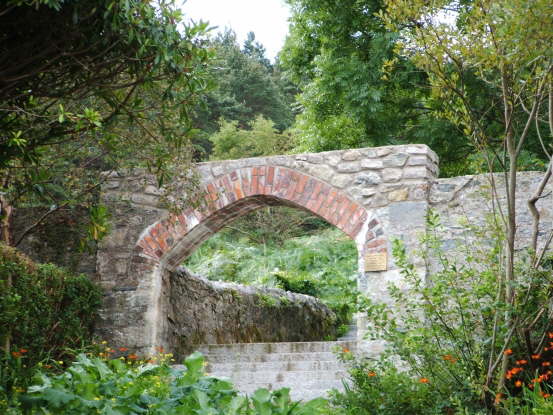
column 205, row 312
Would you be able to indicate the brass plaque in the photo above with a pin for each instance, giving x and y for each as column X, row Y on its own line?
column 376, row 262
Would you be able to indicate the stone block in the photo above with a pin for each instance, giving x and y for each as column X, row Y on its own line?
column 383, row 151
column 395, row 160
column 419, row 172
column 333, row 159
column 340, row 180
column 372, row 164
column 350, row 167
column 217, row 171
column 407, row 214
column 143, row 199
column 417, row 161
column 367, row 179
column 321, row 171
column 351, row 155
column 391, row 174
column 398, row 195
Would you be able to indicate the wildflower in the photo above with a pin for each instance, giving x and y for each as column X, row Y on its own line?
column 521, row 362
column 123, row 349
column 550, row 334
column 536, row 356
column 23, row 351
column 132, row 356
column 371, row 374
column 16, row 354
column 518, row 383
column 546, row 364
column 345, row 350
column 508, row 352
column 545, row 395
column 424, row 380
column 160, row 349
column 449, row 358
column 498, row 397
column 103, row 342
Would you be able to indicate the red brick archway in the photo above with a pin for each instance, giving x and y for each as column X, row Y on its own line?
column 241, row 191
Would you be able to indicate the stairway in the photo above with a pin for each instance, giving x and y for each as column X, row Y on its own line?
column 310, row 369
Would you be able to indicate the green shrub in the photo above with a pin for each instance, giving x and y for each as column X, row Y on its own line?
column 385, row 391
column 46, row 312
column 95, row 386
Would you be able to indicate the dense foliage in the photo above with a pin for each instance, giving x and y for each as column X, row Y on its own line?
column 316, row 262
column 92, row 385
column 247, row 87
column 95, row 85
column 45, row 311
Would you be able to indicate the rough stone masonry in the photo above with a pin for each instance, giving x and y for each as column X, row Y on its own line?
column 373, row 195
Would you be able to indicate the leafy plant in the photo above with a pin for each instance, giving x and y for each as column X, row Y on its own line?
column 44, row 313
column 92, row 385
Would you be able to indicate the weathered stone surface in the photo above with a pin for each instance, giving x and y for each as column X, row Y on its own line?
column 372, row 164
column 395, row 160
column 207, row 312
column 392, row 174
column 351, row 155
column 415, row 172
column 367, row 179
column 340, row 180
column 351, row 167
column 398, row 195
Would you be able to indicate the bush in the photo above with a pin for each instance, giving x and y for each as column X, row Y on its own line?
column 120, row 386
column 385, row 391
column 45, row 311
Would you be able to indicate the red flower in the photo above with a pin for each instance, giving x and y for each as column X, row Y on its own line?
column 123, row 349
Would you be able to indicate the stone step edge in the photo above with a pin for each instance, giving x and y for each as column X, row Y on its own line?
column 337, row 342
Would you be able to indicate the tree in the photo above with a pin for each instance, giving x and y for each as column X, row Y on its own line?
column 259, row 139
column 92, row 85
column 356, row 92
column 506, row 46
column 247, row 86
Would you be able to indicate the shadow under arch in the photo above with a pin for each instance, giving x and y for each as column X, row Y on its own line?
column 165, row 244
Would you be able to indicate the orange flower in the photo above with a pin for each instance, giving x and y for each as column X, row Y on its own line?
column 498, row 397
column 16, row 354
column 546, row 364
column 132, row 356
column 371, row 374
column 518, row 383
column 22, row 351
column 508, row 351
column 545, row 395
column 536, row 356
column 424, row 380
column 160, row 349
column 550, row 334
column 449, row 358
column 345, row 350
column 545, row 349
column 521, row 362
column 123, row 349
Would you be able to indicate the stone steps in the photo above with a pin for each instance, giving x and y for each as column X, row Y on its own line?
column 309, row 369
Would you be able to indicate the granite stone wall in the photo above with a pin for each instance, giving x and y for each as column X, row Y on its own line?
column 373, row 195
column 209, row 312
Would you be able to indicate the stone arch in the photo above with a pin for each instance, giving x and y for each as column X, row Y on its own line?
column 166, row 243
